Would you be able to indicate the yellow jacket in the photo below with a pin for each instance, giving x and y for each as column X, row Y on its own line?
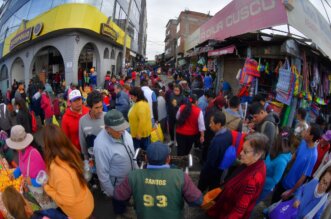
column 64, row 188
column 140, row 120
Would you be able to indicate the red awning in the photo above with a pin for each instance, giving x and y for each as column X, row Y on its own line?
column 222, row 51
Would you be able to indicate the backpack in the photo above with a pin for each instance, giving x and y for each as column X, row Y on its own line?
column 34, row 124
column 230, row 154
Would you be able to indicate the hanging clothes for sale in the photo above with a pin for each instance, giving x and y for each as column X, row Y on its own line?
column 285, row 84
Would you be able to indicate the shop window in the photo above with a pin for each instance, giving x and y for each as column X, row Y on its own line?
column 106, row 54
column 112, row 54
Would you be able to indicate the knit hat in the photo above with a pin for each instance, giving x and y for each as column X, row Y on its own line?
column 157, row 153
column 115, row 120
column 19, row 139
column 327, row 135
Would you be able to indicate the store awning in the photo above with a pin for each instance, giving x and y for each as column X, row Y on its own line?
column 222, row 51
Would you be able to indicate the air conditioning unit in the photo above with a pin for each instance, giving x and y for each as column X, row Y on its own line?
column 289, row 4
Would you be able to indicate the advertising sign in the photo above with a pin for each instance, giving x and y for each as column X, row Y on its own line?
column 21, row 37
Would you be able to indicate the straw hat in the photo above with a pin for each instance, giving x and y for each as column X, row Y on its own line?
column 19, row 139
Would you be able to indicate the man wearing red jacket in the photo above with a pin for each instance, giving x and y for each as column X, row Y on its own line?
column 70, row 120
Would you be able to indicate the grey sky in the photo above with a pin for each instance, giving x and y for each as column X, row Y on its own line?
column 160, row 11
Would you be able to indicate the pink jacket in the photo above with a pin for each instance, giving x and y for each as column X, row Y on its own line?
column 46, row 105
column 36, row 162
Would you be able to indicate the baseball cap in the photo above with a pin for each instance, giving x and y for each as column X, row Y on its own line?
column 157, row 153
column 115, row 120
column 74, row 95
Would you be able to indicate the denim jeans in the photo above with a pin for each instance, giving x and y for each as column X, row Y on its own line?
column 141, row 143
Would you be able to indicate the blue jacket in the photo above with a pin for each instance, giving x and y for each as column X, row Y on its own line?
column 221, row 141
column 122, row 103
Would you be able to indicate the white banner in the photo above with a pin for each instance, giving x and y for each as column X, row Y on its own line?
column 308, row 20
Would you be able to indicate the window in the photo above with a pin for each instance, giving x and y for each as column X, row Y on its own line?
column 106, row 54
column 178, row 27
column 108, row 8
column 178, row 41
column 4, row 73
column 21, row 14
column 38, row 7
column 112, row 54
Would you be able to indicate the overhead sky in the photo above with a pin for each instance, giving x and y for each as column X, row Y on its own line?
column 160, row 11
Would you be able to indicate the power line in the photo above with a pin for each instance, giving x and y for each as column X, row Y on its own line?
column 328, row 3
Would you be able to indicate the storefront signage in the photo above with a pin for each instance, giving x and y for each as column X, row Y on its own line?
column 21, row 37
column 108, row 31
column 37, row 29
column 239, row 17
column 222, row 51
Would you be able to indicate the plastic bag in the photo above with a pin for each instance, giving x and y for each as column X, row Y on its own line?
column 157, row 134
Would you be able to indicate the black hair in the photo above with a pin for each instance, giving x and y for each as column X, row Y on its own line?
column 209, row 93
column 143, row 82
column 302, row 112
column 93, row 98
column 137, row 92
column 258, row 98
column 22, row 104
column 186, row 112
column 255, row 108
column 283, row 141
column 315, row 131
column 234, row 102
column 219, row 117
column 320, row 120
column 171, row 85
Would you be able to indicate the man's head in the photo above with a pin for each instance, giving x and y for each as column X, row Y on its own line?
column 143, row 83
column 209, row 94
column 234, row 102
column 75, row 99
column 117, row 88
column 158, row 154
column 115, row 124
column 113, row 79
column 259, row 98
column 326, row 138
column 258, row 112
column 94, row 101
column 217, row 121
column 301, row 114
column 312, row 134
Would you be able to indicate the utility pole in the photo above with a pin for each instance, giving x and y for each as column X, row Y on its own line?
column 125, row 35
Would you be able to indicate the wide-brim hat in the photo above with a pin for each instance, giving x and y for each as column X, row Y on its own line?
column 19, row 139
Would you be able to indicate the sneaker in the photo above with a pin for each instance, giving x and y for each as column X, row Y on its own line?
column 170, row 143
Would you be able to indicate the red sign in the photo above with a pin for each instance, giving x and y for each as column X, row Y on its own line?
column 222, row 51
column 242, row 16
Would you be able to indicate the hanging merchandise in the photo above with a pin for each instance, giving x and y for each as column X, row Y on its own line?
column 250, row 68
column 316, row 80
column 244, row 78
column 260, row 67
column 297, row 81
column 285, row 84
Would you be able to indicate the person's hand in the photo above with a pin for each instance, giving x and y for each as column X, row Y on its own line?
column 296, row 204
column 287, row 194
column 202, row 139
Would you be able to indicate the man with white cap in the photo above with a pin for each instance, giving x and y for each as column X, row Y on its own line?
column 114, row 152
column 70, row 120
column 159, row 191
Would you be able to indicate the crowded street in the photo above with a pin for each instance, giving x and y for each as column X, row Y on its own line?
column 136, row 109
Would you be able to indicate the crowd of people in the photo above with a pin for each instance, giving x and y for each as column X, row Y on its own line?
column 243, row 151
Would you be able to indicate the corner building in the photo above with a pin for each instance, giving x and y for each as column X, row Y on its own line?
column 63, row 37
